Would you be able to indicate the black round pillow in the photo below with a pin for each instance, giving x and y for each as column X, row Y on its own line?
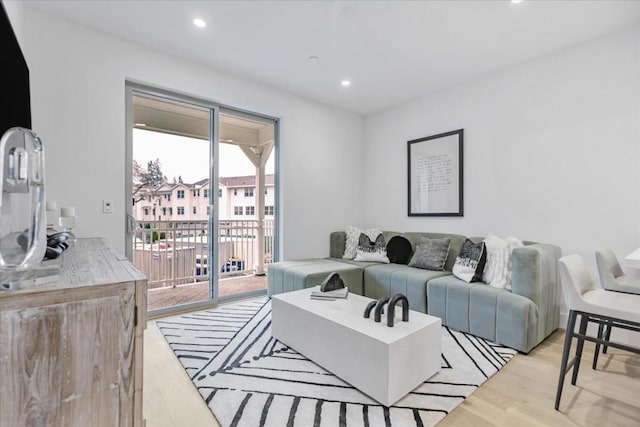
column 399, row 250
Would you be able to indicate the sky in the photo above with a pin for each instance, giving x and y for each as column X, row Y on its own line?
column 189, row 157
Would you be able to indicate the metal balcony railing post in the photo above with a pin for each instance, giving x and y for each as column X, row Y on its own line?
column 173, row 259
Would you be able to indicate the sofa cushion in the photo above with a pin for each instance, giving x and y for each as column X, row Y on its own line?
column 337, row 242
column 470, row 261
column 385, row 280
column 488, row 312
column 497, row 271
column 454, row 247
column 351, row 242
column 399, row 250
column 361, row 264
column 430, row 254
column 468, row 307
column 372, row 250
column 289, row 276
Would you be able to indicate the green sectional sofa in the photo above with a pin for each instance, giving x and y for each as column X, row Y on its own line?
column 520, row 318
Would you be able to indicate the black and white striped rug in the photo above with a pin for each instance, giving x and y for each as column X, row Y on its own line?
column 249, row 379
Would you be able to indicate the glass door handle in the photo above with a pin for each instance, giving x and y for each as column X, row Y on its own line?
column 131, row 224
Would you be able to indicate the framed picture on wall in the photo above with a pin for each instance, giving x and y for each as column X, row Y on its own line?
column 435, row 175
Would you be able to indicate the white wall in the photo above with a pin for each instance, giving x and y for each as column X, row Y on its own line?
column 78, row 107
column 551, row 151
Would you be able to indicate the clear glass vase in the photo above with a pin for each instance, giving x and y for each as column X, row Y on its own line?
column 23, row 238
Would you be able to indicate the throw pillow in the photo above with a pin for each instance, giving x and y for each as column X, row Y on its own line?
column 470, row 261
column 431, row 254
column 399, row 250
column 353, row 234
column 368, row 250
column 497, row 270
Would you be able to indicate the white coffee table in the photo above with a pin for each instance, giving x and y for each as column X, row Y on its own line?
column 383, row 362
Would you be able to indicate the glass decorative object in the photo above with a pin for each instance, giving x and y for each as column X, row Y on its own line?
column 67, row 220
column 23, row 237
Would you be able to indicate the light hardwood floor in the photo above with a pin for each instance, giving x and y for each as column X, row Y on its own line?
column 521, row 394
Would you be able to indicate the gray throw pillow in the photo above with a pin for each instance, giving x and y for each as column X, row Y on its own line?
column 430, row 254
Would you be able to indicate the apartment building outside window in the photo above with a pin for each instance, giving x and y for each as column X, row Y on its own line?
column 269, row 210
column 170, row 211
column 235, row 191
column 206, row 193
column 250, row 210
column 180, row 194
column 248, row 192
column 146, row 211
column 219, row 192
column 237, row 210
column 164, row 211
column 196, row 193
column 194, row 210
column 180, row 210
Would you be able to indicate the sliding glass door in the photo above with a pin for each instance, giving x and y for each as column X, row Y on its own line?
column 201, row 192
column 246, row 211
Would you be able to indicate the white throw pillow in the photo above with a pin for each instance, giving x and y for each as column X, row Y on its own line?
column 371, row 250
column 353, row 234
column 497, row 270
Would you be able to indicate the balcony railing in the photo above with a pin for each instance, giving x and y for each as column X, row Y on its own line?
column 172, row 253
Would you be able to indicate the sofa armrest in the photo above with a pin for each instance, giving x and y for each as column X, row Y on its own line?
column 536, row 277
column 337, row 243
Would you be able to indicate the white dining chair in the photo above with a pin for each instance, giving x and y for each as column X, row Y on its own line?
column 612, row 277
column 591, row 304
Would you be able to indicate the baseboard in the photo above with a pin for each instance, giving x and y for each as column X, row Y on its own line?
column 620, row 335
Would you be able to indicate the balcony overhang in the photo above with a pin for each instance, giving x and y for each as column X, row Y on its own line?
column 160, row 115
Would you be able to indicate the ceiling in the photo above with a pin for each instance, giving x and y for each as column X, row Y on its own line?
column 392, row 51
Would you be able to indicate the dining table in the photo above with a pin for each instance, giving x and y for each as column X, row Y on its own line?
column 633, row 259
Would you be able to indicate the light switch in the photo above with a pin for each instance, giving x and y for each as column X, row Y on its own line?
column 107, row 206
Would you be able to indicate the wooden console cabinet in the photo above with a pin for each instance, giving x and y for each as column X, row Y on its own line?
column 71, row 351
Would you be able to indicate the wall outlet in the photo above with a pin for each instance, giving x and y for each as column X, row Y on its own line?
column 107, row 206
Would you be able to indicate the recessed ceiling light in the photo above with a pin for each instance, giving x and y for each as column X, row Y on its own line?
column 140, row 125
column 199, row 22
column 313, row 59
column 516, row 1
column 345, row 83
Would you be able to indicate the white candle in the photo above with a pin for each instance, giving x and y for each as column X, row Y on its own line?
column 67, row 211
column 52, row 205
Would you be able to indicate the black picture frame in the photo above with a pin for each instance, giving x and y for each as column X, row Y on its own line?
column 435, row 175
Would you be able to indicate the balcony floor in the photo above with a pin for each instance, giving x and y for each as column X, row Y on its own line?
column 184, row 294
